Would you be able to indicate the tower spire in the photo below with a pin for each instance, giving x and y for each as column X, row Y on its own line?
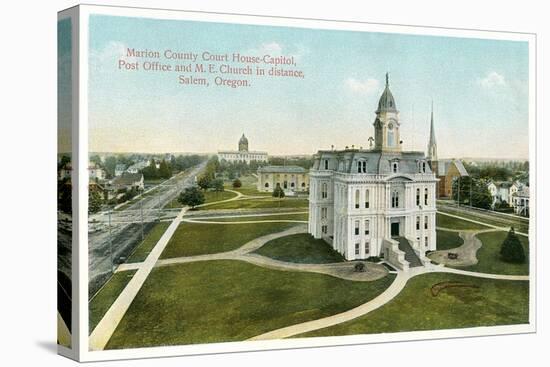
column 432, row 144
column 387, row 79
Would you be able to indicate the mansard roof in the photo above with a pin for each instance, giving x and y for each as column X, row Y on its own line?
column 377, row 161
column 281, row 169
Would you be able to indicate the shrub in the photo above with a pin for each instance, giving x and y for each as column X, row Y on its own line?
column 360, row 267
column 511, row 249
column 237, row 183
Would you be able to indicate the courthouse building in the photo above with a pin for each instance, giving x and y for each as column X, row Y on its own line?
column 378, row 201
column 243, row 154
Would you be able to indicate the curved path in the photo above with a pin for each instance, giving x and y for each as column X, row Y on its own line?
column 467, row 252
column 343, row 270
column 391, row 292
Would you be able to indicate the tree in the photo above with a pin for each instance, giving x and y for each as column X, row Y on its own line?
column 360, row 267
column 164, row 170
column 511, row 249
column 151, row 171
column 204, row 182
column 191, row 196
column 278, row 192
column 95, row 200
column 110, row 165
column 64, row 196
column 237, row 183
column 217, row 184
column 480, row 195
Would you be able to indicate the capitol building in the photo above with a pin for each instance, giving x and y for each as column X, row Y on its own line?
column 243, row 154
column 377, row 202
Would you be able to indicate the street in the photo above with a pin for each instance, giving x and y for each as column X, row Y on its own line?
column 125, row 228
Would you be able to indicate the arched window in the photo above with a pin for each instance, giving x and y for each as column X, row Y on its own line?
column 417, row 197
column 424, row 167
column 391, row 139
column 266, row 184
column 367, row 203
column 394, row 167
column 417, row 223
column 324, row 190
column 357, row 194
column 361, row 166
column 395, row 199
column 426, row 222
column 426, row 196
column 303, row 184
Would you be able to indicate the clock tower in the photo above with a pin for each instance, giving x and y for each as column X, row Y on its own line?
column 386, row 124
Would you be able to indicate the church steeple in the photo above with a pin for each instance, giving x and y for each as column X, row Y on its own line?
column 386, row 124
column 432, row 145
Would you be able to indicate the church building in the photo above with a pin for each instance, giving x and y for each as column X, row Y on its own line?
column 378, row 201
column 243, row 154
column 446, row 170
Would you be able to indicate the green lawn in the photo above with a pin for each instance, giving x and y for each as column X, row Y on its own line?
column 493, row 219
column 495, row 302
column 489, row 257
column 454, row 223
column 268, row 202
column 303, row 217
column 142, row 251
column 248, row 186
column 447, row 240
column 204, row 238
column 220, row 301
column 300, row 248
column 209, row 197
column 103, row 300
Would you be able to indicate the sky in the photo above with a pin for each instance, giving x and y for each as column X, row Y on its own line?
column 64, row 89
column 479, row 90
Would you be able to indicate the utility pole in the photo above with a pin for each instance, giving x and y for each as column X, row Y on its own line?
column 141, row 212
column 470, row 191
column 111, row 243
column 158, row 207
column 458, row 202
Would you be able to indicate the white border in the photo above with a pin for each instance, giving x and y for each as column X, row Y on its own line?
column 85, row 355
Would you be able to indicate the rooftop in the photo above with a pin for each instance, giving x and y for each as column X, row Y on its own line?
column 282, row 169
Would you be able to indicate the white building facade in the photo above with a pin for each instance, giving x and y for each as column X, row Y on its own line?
column 292, row 179
column 243, row 154
column 377, row 202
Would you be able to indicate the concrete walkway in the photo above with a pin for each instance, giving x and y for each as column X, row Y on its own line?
column 467, row 252
column 390, row 293
column 343, row 270
column 108, row 324
column 106, row 327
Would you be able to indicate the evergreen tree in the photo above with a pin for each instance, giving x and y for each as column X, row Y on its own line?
column 191, row 196
column 237, row 183
column 278, row 192
column 95, row 200
column 511, row 249
column 164, row 170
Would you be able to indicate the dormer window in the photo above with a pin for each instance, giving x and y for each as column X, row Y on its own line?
column 394, row 167
column 362, row 167
column 424, row 167
column 326, row 163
